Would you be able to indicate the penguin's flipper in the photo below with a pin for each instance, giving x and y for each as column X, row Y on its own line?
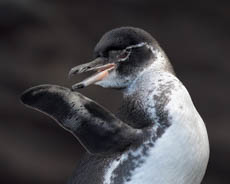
column 98, row 130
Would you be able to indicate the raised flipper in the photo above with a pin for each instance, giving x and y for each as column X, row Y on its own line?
column 98, row 130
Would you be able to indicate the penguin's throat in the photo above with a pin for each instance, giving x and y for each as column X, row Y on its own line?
column 133, row 112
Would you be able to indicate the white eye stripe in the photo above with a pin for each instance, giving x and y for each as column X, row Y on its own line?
column 142, row 44
column 129, row 49
column 125, row 53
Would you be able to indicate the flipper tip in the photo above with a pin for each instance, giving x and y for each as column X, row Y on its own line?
column 26, row 97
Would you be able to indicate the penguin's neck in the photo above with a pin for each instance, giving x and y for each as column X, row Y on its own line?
column 145, row 99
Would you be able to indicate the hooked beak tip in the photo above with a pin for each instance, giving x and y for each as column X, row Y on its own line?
column 71, row 73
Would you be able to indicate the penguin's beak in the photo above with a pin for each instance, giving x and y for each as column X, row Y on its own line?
column 100, row 65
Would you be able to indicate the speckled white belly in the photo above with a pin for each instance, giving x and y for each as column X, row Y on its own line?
column 170, row 160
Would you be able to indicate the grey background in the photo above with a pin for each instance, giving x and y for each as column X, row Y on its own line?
column 40, row 40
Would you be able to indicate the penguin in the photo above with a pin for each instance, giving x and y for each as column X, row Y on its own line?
column 157, row 136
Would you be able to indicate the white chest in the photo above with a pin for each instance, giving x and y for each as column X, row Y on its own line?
column 180, row 155
column 172, row 160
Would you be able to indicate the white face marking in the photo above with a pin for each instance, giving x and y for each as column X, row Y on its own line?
column 129, row 50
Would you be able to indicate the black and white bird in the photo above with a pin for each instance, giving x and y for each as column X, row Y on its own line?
column 157, row 137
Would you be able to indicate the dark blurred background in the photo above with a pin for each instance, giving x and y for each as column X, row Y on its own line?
column 40, row 40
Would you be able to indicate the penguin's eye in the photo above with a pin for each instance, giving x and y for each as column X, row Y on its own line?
column 119, row 55
column 124, row 54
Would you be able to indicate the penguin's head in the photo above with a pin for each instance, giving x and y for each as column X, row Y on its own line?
column 119, row 58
